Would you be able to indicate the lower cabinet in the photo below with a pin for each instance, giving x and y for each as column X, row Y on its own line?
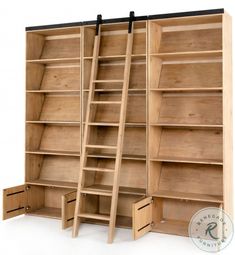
column 36, row 200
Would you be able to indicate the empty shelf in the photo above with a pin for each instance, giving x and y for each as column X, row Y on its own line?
column 52, row 91
column 106, row 102
column 51, row 183
column 103, row 124
column 188, row 55
column 187, row 89
column 122, row 190
column 93, row 190
column 101, row 147
column 60, row 153
column 98, row 169
column 108, row 81
column 94, row 216
column 55, row 60
column 174, row 227
column 49, row 212
column 53, row 122
column 188, row 196
column 124, row 156
column 189, row 160
column 186, row 125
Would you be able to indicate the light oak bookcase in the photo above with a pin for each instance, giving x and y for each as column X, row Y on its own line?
column 177, row 154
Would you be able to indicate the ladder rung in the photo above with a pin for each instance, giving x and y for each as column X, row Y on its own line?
column 106, row 102
column 98, row 169
column 101, row 146
column 108, row 81
column 94, row 216
column 97, row 191
column 103, row 124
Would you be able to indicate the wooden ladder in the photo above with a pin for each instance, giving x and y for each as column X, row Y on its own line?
column 87, row 130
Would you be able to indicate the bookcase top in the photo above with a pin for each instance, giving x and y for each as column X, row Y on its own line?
column 126, row 19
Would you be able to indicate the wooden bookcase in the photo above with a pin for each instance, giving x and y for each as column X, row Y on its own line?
column 177, row 155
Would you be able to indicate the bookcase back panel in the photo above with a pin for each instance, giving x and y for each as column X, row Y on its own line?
column 191, row 143
column 189, row 41
column 61, row 78
column 61, row 108
column 191, row 75
column 53, row 197
column 134, row 140
column 133, row 174
column 59, row 168
column 192, row 178
column 191, row 108
column 136, row 104
column 115, row 44
column 124, row 207
column 112, row 71
column 61, row 48
column 190, row 21
column 182, row 210
column 61, row 138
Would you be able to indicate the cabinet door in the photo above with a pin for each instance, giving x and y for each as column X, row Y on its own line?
column 14, row 201
column 68, row 207
column 142, row 217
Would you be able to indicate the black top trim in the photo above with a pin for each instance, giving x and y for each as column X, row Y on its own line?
column 126, row 19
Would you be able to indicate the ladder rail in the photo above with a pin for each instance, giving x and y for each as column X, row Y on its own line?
column 94, row 69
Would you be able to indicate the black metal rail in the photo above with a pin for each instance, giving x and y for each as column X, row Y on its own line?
column 127, row 19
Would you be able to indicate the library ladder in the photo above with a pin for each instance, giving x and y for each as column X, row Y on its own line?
column 86, row 145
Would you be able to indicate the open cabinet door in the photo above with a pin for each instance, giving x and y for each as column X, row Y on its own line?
column 14, row 201
column 68, row 208
column 142, row 217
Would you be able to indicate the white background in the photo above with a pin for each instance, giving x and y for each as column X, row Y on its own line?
column 33, row 235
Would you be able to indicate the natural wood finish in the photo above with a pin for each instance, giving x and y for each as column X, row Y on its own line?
column 204, row 144
column 14, row 201
column 191, row 75
column 68, row 206
column 185, row 108
column 61, row 78
column 59, row 108
column 142, row 217
column 163, row 135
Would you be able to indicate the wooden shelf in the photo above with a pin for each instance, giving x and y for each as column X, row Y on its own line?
column 53, row 91
column 188, row 196
column 50, row 183
column 54, row 61
column 59, row 153
column 122, row 190
column 76, row 123
column 48, row 212
column 128, row 124
column 94, row 216
column 180, row 125
column 186, row 89
column 124, row 156
column 121, row 221
column 117, row 57
column 115, row 90
column 188, row 55
column 189, row 160
column 174, row 227
column 108, row 81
